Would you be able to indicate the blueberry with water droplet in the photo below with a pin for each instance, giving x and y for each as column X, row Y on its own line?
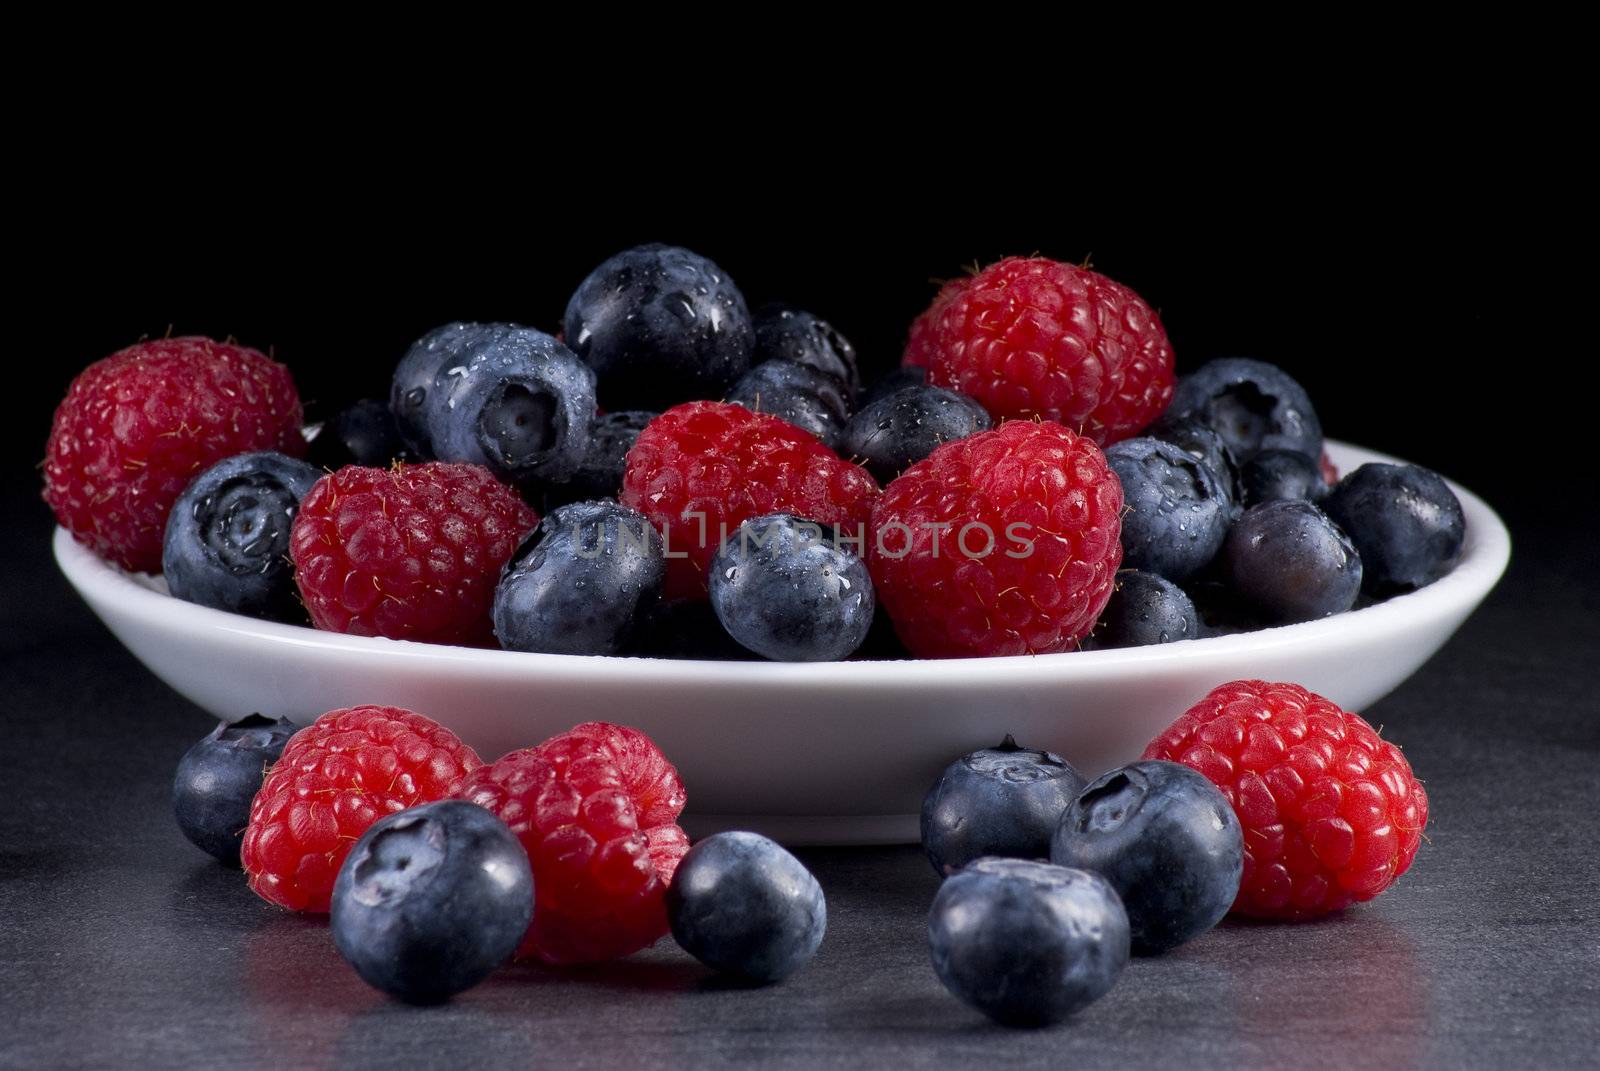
column 1291, row 563
column 418, row 371
column 1176, row 511
column 1404, row 520
column 796, row 393
column 1146, row 609
column 1253, row 405
column 895, row 432
column 660, row 325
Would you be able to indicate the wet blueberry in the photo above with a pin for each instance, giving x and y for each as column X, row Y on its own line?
column 897, row 431
column 897, row 380
column 1176, row 511
column 1146, row 609
column 660, row 325
column 227, row 539
column 219, row 776
column 431, row 899
column 1280, row 476
column 599, row 474
column 1404, row 520
column 1001, row 801
column 1166, row 839
column 790, row 591
column 1027, row 943
column 803, row 396
column 416, row 376
column 1203, row 442
column 784, row 333
column 364, row 433
column 1291, row 563
column 1253, row 405
column 742, row 905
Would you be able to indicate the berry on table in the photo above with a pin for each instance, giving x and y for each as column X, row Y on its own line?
column 596, row 809
column 412, row 552
column 1000, row 801
column 741, row 904
column 1280, row 476
column 784, row 333
column 335, row 778
column 1146, row 609
column 660, row 325
column 801, row 395
column 219, row 776
column 789, row 590
column 1167, row 841
column 1035, row 338
column 1027, row 943
column 1332, row 814
column 1003, row 543
column 431, row 899
column 1253, row 405
column 701, row 469
column 1291, row 563
column 1176, row 509
column 1404, row 520
column 580, row 582
column 895, row 432
column 363, row 433
column 227, row 539
column 136, row 427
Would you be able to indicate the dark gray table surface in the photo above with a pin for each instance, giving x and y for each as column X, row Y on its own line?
column 120, row 945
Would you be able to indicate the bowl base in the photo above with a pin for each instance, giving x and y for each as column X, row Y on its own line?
column 797, row 830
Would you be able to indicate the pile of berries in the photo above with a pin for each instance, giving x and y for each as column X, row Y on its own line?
column 436, row 868
column 1032, row 480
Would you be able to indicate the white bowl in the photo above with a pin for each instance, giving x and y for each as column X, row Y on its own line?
column 838, row 752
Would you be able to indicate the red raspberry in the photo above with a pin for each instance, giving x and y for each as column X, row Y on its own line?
column 1042, row 517
column 336, row 777
column 1332, row 815
column 596, row 810
column 1030, row 337
column 919, row 340
column 701, row 469
column 411, row 552
column 1330, row 471
column 136, row 427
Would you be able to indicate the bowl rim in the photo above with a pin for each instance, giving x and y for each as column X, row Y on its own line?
column 1484, row 558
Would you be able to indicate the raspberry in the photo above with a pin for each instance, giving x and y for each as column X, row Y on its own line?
column 1332, row 815
column 1006, row 542
column 136, row 427
column 596, row 809
column 701, row 469
column 335, row 778
column 412, row 552
column 1030, row 337
column 1329, row 471
column 919, row 340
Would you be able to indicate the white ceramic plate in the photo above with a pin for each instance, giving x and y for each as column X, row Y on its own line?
column 836, row 752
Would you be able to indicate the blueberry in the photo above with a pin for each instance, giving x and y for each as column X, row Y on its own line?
column 1027, row 943
column 219, row 776
column 897, row 431
column 1255, row 406
column 1202, row 441
column 577, row 583
column 784, row 333
column 742, row 905
column 803, row 396
column 1001, row 801
column 1291, row 563
column 1405, row 521
column 516, row 401
column 416, row 376
column 1146, row 609
column 600, row 472
column 897, row 380
column 227, row 539
column 1279, row 476
column 363, row 434
column 1166, row 839
column 1175, row 511
column 431, row 899
column 660, row 325
column 789, row 590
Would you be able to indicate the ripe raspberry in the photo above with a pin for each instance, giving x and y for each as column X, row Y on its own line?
column 135, row 427
column 919, row 340
column 1030, row 337
column 1006, row 542
column 335, row 778
column 412, row 552
column 701, row 469
column 596, row 809
column 1332, row 815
